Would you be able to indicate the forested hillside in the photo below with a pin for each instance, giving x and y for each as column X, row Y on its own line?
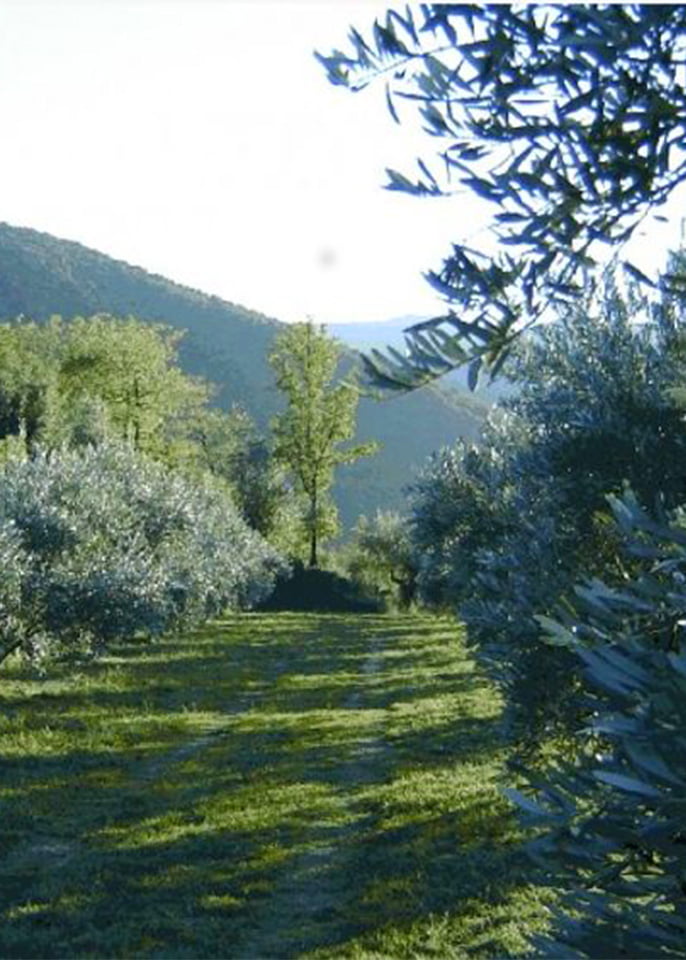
column 228, row 344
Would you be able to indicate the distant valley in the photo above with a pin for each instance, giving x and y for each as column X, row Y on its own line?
column 390, row 333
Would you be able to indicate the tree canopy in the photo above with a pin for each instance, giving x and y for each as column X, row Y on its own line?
column 504, row 530
column 76, row 381
column 102, row 543
column 566, row 119
column 319, row 418
column 131, row 367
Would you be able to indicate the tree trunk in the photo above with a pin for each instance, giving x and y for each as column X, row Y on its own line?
column 137, row 415
column 6, row 651
column 407, row 588
column 313, row 528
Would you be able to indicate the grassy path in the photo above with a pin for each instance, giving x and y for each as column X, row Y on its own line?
column 272, row 786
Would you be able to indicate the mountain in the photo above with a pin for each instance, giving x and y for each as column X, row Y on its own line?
column 378, row 333
column 41, row 275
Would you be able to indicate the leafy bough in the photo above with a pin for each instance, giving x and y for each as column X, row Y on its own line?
column 566, row 121
column 614, row 822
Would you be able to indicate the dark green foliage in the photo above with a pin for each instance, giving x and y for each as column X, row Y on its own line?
column 29, row 381
column 460, row 507
column 382, row 558
column 563, row 118
column 226, row 345
column 312, row 589
column 232, row 449
column 616, row 836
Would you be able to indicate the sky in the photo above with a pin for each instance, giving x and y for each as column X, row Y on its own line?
column 200, row 140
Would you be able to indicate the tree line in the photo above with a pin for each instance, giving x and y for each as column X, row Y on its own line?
column 128, row 505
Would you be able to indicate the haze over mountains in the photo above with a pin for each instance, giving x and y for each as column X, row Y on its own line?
column 365, row 336
column 228, row 344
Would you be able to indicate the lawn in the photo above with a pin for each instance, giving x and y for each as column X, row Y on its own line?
column 277, row 785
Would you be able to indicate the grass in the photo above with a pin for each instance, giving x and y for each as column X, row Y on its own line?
column 271, row 786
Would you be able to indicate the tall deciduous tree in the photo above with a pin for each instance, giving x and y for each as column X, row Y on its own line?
column 319, row 417
column 80, row 381
column 564, row 119
column 28, row 380
column 131, row 367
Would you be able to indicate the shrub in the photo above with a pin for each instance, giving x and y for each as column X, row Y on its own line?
column 506, row 529
column 109, row 544
column 615, row 820
column 313, row 589
column 459, row 507
column 380, row 557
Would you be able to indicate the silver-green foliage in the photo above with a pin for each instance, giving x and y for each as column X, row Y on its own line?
column 506, row 529
column 102, row 543
column 562, row 118
column 616, row 836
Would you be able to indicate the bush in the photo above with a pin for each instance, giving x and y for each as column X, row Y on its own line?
column 312, row 589
column 506, row 529
column 616, row 837
column 459, row 507
column 381, row 559
column 103, row 543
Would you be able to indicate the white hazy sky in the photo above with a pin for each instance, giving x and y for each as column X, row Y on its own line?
column 200, row 139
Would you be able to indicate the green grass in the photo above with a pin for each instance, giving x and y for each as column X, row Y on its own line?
column 271, row 786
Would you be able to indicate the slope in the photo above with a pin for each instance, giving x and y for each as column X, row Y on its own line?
column 41, row 275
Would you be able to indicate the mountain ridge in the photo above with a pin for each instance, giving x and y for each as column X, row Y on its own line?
column 227, row 344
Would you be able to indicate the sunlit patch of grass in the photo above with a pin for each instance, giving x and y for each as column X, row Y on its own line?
column 62, row 904
column 246, row 809
column 221, row 902
column 423, row 795
column 27, row 910
column 499, row 931
column 287, row 784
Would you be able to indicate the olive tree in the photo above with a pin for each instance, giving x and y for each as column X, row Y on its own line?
column 102, row 543
column 504, row 529
column 614, row 838
column 565, row 120
column 381, row 557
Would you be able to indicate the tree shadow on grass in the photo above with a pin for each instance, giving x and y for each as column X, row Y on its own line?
column 292, row 828
column 220, row 895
